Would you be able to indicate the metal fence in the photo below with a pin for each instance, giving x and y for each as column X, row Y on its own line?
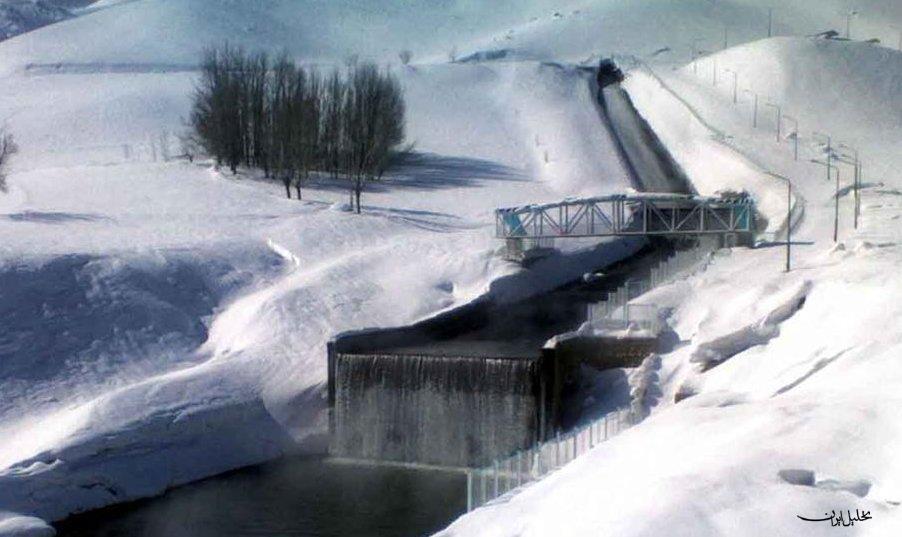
column 163, row 147
column 511, row 473
column 629, row 317
column 524, row 467
column 616, row 305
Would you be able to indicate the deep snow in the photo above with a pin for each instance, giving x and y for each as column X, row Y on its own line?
column 790, row 371
column 163, row 322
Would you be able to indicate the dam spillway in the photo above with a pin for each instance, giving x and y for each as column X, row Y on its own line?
column 475, row 384
column 457, row 411
column 472, row 384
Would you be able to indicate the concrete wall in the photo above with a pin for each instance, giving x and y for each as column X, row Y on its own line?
column 454, row 411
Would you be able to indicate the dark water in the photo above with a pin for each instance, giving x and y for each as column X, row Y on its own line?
column 310, row 496
column 652, row 167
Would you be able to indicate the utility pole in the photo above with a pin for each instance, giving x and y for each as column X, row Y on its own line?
column 788, row 216
column 725, row 43
column 829, row 150
column 788, row 221
column 836, row 209
column 795, row 136
column 779, row 112
column 770, row 22
column 755, row 109
column 856, row 181
column 835, row 195
column 735, row 84
column 858, row 195
column 695, row 55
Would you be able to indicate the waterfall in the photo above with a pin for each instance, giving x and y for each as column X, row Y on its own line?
column 439, row 410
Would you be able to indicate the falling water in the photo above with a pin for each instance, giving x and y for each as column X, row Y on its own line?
column 439, row 410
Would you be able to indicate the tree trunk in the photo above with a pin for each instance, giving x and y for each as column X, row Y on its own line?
column 297, row 187
column 288, row 190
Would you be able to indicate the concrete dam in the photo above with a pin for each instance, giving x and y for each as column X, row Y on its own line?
column 474, row 384
column 456, row 411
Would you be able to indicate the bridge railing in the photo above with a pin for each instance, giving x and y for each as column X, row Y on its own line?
column 622, row 215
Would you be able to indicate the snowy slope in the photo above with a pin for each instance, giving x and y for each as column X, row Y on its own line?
column 20, row 16
column 175, row 31
column 803, row 366
column 169, row 277
column 163, row 322
column 666, row 31
column 180, row 309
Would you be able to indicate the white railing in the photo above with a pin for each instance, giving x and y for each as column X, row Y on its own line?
column 162, row 147
column 616, row 305
column 523, row 467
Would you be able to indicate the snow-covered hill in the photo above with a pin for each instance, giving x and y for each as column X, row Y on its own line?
column 155, row 314
column 795, row 414
column 20, row 16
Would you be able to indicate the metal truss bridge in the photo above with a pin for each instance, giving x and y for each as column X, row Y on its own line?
column 629, row 215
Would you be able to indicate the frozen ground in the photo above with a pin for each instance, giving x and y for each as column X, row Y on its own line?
column 162, row 322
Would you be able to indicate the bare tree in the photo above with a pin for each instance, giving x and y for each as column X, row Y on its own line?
column 332, row 113
column 282, row 89
column 291, row 121
column 8, row 147
column 189, row 145
column 308, row 121
column 217, row 111
column 258, row 86
column 373, row 125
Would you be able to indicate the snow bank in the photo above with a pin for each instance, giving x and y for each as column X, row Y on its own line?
column 856, row 84
column 168, row 323
column 23, row 526
column 711, row 165
column 644, row 390
column 714, row 351
column 794, row 423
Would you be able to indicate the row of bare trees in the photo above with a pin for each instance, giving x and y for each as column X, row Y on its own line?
column 291, row 121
